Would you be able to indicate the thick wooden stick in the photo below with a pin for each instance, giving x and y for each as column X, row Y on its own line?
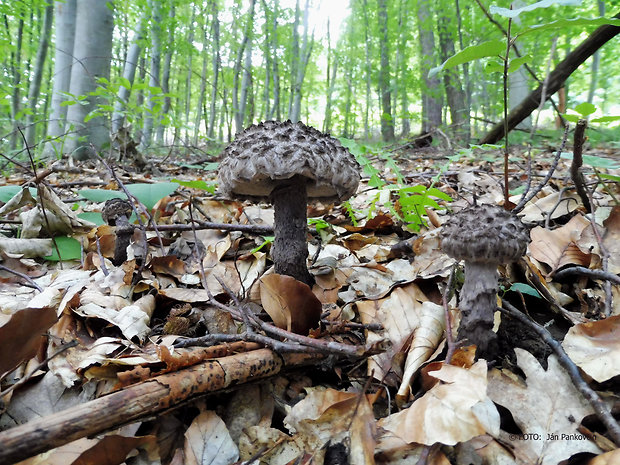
column 142, row 400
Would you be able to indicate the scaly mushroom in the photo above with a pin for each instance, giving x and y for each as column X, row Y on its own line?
column 116, row 212
column 484, row 236
column 288, row 163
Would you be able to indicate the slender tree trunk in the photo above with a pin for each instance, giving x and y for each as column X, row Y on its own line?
column 294, row 59
column 332, row 71
column 93, row 52
column 596, row 59
column 431, row 102
column 188, row 78
column 16, row 60
column 65, row 16
column 155, row 72
column 306, row 51
column 468, row 89
column 401, row 67
column 368, row 74
column 238, row 105
column 246, row 84
column 129, row 73
column 215, row 64
column 267, row 62
column 452, row 81
column 165, row 76
column 387, row 120
column 203, row 82
column 275, row 109
column 37, row 73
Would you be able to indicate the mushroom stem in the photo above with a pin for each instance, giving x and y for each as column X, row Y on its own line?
column 290, row 250
column 478, row 303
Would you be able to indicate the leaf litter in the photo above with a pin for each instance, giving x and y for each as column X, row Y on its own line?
column 378, row 288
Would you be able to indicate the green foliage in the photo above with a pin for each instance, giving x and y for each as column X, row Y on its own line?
column 8, row 192
column 198, row 184
column 147, row 194
column 267, row 240
column 70, row 249
column 409, row 202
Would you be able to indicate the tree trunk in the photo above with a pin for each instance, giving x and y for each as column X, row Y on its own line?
column 188, row 78
column 596, row 58
column 203, row 82
column 246, row 84
column 294, row 59
column 275, row 109
column 368, row 70
column 165, row 76
column 129, row 73
column 332, row 70
column 401, row 68
column 238, row 106
column 302, row 65
column 431, row 102
column 452, row 82
column 37, row 73
column 215, row 64
column 65, row 16
column 16, row 61
column 557, row 77
column 387, row 121
column 154, row 82
column 92, row 52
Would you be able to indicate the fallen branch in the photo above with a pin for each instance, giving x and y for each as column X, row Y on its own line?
column 556, row 79
column 143, row 400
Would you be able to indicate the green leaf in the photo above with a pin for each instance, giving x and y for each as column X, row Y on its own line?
column 611, row 177
column 594, row 161
column 571, row 118
column 93, row 217
column 471, row 53
column 268, row 240
column 70, row 249
column 568, row 23
column 8, row 192
column 439, row 194
column 150, row 194
column 125, row 83
column 100, row 195
column 585, row 109
column 516, row 63
column 534, row 6
column 605, row 119
column 202, row 185
column 524, row 289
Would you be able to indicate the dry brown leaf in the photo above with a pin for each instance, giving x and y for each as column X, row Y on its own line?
column 21, row 336
column 595, row 347
column 290, row 303
column 558, row 248
column 453, row 411
column 207, row 441
column 330, row 415
column 547, row 408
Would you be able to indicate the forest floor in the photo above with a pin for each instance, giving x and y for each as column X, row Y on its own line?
column 181, row 353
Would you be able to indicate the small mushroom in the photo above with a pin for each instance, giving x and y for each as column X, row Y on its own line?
column 288, row 163
column 484, row 236
column 116, row 212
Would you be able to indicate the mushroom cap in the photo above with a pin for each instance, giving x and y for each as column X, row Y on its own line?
column 272, row 151
column 484, row 233
column 115, row 209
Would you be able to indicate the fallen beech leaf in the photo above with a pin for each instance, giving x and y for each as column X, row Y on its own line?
column 547, row 407
column 20, row 337
column 453, row 411
column 558, row 248
column 595, row 347
column 207, row 441
column 290, row 303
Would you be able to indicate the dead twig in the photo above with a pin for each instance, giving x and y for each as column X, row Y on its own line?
column 575, row 167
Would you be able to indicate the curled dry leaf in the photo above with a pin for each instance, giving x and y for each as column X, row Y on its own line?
column 290, row 303
column 595, row 347
column 558, row 248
